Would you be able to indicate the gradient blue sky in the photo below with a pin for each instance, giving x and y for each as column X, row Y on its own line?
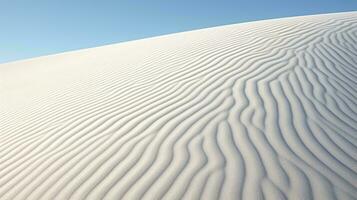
column 40, row 27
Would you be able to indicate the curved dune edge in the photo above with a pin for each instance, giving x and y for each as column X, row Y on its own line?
column 261, row 110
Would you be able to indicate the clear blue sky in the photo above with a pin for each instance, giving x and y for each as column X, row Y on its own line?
column 30, row 28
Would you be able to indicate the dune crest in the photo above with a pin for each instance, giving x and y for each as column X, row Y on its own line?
column 260, row 110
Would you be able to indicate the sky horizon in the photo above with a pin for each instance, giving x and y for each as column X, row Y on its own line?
column 33, row 29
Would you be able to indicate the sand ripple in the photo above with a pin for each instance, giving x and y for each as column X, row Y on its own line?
column 261, row 110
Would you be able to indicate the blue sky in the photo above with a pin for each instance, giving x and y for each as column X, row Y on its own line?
column 41, row 27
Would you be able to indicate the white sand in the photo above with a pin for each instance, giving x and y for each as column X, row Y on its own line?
column 261, row 110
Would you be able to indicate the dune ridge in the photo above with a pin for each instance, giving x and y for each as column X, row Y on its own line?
column 260, row 110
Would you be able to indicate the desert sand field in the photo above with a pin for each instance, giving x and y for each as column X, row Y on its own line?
column 258, row 110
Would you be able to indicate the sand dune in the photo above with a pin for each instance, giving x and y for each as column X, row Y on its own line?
column 260, row 110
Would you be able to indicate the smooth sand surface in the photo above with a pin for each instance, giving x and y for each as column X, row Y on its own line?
column 260, row 110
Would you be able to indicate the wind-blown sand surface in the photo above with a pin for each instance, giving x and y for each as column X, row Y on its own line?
column 261, row 110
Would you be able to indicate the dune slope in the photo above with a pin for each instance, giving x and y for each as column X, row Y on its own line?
column 260, row 110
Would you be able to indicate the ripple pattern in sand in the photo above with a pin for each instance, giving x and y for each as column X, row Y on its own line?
column 261, row 110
